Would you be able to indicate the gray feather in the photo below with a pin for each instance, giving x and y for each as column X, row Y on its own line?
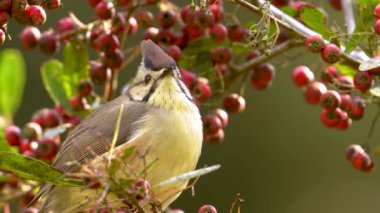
column 93, row 136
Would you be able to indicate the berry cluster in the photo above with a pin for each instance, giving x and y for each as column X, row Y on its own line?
column 30, row 12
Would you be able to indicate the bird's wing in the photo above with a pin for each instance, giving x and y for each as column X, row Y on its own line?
column 93, row 136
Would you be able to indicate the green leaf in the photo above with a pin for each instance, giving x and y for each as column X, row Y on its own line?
column 33, row 169
column 55, row 83
column 364, row 23
column 76, row 64
column 188, row 175
column 12, row 81
column 290, row 11
column 345, row 69
column 315, row 19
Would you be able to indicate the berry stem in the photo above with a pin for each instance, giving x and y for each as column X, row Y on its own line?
column 289, row 23
column 366, row 145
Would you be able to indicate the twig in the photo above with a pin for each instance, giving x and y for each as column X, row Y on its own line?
column 366, row 145
column 277, row 50
column 348, row 15
column 289, row 23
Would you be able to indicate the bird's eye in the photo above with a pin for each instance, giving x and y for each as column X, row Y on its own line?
column 147, row 79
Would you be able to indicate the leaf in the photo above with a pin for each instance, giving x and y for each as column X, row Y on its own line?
column 290, row 11
column 375, row 90
column 371, row 63
column 315, row 19
column 33, row 169
column 345, row 69
column 76, row 64
column 54, row 82
column 12, row 81
column 188, row 175
column 364, row 23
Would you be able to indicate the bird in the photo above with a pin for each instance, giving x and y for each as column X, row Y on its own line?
column 160, row 120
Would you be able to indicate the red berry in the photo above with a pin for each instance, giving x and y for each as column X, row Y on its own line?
column 13, row 135
column 263, row 76
column 190, row 16
column 345, row 82
column 47, row 148
column 51, row 4
column 91, row 182
column 94, row 34
column 234, row 103
column 376, row 27
column 76, row 103
column 133, row 26
column 166, row 36
column 167, row 19
column 237, row 33
column 144, row 19
column 5, row 4
column 376, row 11
column 331, row 53
column 211, row 124
column 330, row 118
column 35, row 14
column 222, row 115
column 85, row 88
column 119, row 23
column 107, row 43
column 218, row 32
column 356, row 108
column 206, row 18
column 98, row 73
column 314, row 92
column 188, row 78
column 29, row 37
column 47, row 118
column 64, row 25
column 151, row 34
column 93, row 3
column 302, row 76
column 345, row 122
column 328, row 74
column 214, row 138
column 18, row 11
column 221, row 54
column 362, row 161
column 32, row 131
column 105, row 10
column 4, row 17
column 207, row 209
column 48, row 43
column 193, row 31
column 363, row 81
column 175, row 52
column 218, row 12
column 314, row 43
column 336, row 4
column 201, row 91
column 330, row 100
column 113, row 60
column 345, row 101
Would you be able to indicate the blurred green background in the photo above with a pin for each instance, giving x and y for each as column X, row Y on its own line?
column 277, row 153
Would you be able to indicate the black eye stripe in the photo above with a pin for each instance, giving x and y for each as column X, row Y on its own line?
column 147, row 79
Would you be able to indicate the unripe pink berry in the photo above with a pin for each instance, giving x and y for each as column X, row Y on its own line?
column 219, row 32
column 30, row 37
column 314, row 92
column 263, row 76
column 51, row 4
column 105, row 10
column 207, row 209
column 330, row 100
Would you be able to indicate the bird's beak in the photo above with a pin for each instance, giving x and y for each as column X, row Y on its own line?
column 168, row 72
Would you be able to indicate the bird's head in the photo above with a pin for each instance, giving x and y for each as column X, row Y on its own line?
column 158, row 81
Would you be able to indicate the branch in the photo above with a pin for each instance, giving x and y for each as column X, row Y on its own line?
column 289, row 23
column 277, row 50
column 348, row 15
